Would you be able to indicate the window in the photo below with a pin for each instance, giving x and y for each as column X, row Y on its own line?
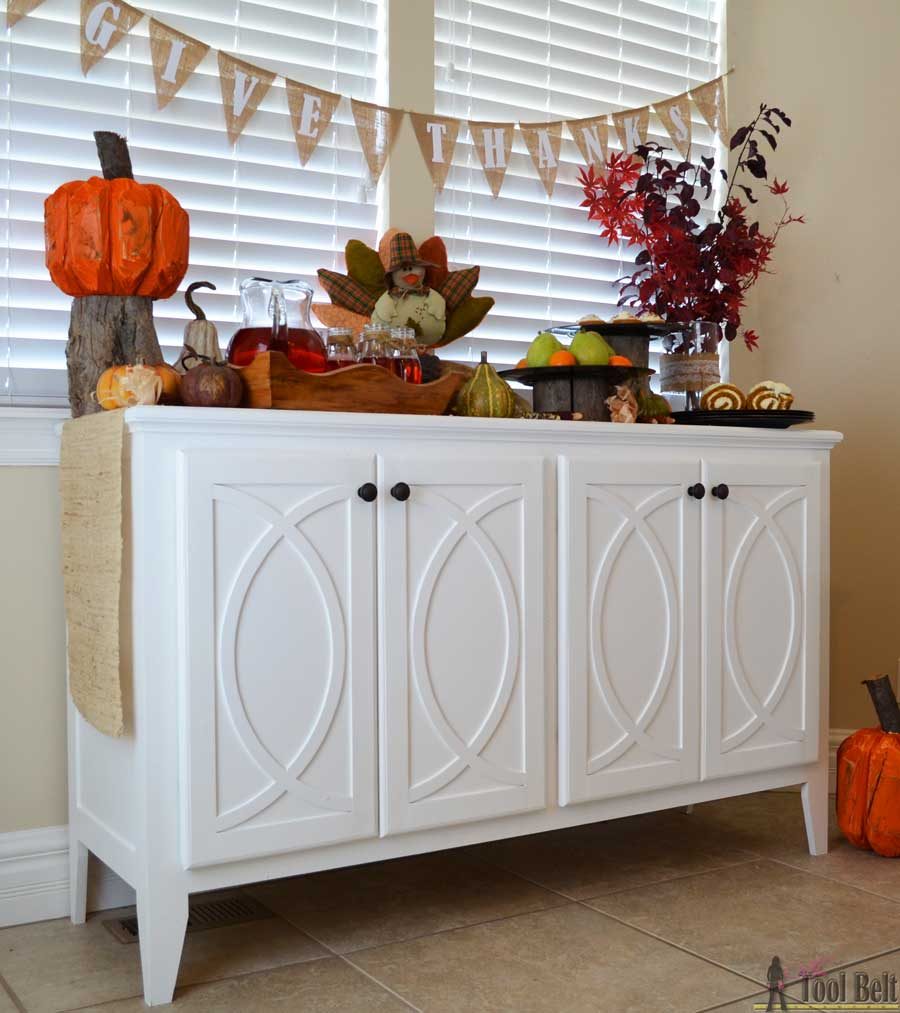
column 253, row 209
column 504, row 60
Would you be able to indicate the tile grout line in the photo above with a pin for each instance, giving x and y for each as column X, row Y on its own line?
column 13, row 998
column 831, row 879
column 379, row 983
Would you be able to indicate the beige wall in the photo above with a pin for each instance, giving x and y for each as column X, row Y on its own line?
column 827, row 324
column 32, row 649
column 827, row 318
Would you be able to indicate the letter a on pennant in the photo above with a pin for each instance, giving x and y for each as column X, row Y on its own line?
column 311, row 112
column 104, row 23
column 243, row 88
column 175, row 58
column 543, row 141
column 493, row 144
column 437, row 141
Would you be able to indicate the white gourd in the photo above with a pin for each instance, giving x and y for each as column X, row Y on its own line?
column 200, row 335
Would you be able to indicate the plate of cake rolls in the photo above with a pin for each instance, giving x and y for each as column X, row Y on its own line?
column 767, row 405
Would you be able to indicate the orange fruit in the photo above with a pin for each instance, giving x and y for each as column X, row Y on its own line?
column 620, row 360
column 522, row 364
column 563, row 358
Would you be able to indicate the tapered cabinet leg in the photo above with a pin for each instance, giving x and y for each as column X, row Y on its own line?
column 814, row 794
column 78, row 882
column 162, row 920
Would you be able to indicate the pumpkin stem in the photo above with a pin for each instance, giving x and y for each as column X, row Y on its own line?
column 885, row 702
column 484, row 356
column 192, row 306
column 115, row 161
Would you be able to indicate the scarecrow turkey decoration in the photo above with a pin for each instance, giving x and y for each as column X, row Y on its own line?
column 409, row 302
column 400, row 285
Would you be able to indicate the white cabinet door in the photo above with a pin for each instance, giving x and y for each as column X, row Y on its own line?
column 462, row 571
column 629, row 634
column 278, row 552
column 762, row 580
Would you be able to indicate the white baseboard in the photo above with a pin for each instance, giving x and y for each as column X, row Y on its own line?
column 30, row 436
column 34, row 869
column 34, row 878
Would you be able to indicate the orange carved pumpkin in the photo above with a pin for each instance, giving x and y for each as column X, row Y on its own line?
column 868, row 779
column 115, row 236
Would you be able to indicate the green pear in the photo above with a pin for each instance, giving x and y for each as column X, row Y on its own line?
column 590, row 349
column 540, row 350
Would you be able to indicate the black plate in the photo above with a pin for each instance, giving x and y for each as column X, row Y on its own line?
column 774, row 419
column 626, row 330
column 531, row 374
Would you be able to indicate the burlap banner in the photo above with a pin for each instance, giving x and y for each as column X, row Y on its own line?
column 244, row 86
column 543, row 141
column 18, row 9
column 675, row 115
column 311, row 112
column 493, row 144
column 437, row 141
column 175, row 58
column 104, row 23
column 377, row 128
column 710, row 100
column 631, row 126
column 592, row 137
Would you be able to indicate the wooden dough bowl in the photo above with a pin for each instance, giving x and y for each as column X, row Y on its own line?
column 270, row 381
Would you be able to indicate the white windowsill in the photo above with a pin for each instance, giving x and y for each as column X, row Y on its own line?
column 29, row 436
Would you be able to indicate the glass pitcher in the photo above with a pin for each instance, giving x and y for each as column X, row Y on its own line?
column 276, row 319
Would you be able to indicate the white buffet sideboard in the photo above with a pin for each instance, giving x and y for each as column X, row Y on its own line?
column 354, row 637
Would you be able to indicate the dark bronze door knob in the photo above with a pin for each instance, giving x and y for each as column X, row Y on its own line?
column 368, row 492
column 400, row 492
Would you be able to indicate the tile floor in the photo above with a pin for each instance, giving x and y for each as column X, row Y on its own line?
column 665, row 912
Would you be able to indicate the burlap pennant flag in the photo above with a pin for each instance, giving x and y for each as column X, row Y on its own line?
column 592, row 137
column 104, row 23
column 175, row 58
column 437, row 141
column 18, row 9
column 631, row 126
column 311, row 112
column 710, row 100
column 675, row 114
column 377, row 128
column 543, row 141
column 493, row 144
column 244, row 86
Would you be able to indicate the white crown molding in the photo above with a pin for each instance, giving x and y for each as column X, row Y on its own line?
column 29, row 437
column 34, row 878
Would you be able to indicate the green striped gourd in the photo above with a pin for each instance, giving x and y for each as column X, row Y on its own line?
column 486, row 395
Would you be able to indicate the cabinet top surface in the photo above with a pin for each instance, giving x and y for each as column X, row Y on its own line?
column 356, row 425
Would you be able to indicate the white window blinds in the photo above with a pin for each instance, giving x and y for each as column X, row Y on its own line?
column 538, row 60
column 253, row 209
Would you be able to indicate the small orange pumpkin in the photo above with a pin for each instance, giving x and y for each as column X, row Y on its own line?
column 868, row 778
column 115, row 236
column 126, row 386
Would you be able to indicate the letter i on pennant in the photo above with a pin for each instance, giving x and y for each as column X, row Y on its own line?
column 175, row 58
column 104, row 23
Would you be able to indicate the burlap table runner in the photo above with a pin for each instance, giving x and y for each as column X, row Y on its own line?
column 90, row 482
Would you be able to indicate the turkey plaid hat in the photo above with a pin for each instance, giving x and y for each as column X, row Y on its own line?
column 402, row 252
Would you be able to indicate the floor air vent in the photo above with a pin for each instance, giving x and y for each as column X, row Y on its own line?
column 211, row 913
